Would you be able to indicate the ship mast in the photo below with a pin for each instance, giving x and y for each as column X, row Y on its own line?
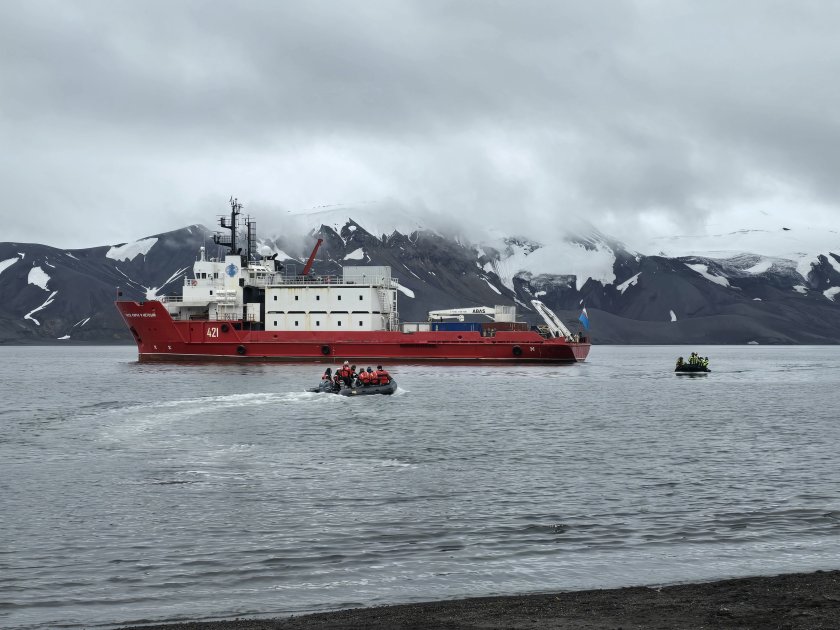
column 250, row 238
column 223, row 239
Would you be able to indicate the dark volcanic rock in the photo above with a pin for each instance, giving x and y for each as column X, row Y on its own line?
column 798, row 601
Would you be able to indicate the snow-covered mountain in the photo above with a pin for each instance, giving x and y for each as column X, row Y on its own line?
column 784, row 291
column 49, row 294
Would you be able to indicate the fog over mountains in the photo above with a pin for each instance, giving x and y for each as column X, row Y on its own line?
column 766, row 287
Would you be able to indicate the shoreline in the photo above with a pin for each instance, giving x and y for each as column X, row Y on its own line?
column 791, row 601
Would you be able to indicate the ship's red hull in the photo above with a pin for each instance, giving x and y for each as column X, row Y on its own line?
column 159, row 337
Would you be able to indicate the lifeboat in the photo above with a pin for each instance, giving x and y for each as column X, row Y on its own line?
column 326, row 387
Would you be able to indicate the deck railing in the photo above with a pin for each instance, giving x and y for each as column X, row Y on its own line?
column 276, row 279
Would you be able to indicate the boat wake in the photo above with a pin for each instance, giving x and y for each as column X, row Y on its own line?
column 160, row 412
column 205, row 403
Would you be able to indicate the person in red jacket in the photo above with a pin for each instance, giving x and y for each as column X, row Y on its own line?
column 372, row 377
column 364, row 378
column 382, row 376
column 346, row 374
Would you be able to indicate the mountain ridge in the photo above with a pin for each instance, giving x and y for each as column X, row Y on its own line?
column 57, row 295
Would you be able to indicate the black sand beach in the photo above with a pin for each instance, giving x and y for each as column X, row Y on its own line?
column 792, row 601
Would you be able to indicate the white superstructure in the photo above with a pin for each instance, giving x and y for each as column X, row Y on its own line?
column 363, row 298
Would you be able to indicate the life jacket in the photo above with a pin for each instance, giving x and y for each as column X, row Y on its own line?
column 364, row 377
column 383, row 377
column 373, row 379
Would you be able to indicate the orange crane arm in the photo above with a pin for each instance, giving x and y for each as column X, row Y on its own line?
column 309, row 262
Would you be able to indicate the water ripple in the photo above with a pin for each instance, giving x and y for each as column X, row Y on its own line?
column 190, row 491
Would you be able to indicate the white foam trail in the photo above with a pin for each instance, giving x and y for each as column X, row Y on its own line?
column 394, row 463
column 205, row 403
column 138, row 418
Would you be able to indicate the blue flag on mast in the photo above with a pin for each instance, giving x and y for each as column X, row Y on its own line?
column 584, row 318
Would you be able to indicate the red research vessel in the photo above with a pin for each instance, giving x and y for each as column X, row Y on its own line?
column 243, row 307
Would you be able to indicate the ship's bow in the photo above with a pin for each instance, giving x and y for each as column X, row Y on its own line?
column 150, row 324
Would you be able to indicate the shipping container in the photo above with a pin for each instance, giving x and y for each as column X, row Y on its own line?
column 456, row 326
column 412, row 327
column 506, row 326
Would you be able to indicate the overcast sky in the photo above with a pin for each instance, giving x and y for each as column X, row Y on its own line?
column 122, row 119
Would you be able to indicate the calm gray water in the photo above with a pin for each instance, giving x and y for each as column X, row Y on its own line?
column 135, row 492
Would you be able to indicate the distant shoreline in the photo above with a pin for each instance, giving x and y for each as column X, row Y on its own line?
column 795, row 601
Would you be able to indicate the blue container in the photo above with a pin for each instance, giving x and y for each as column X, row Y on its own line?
column 456, row 326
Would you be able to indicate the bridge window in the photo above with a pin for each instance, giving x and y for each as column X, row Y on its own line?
column 317, row 297
column 317, row 322
column 360, row 323
column 360, row 298
column 296, row 298
column 275, row 298
column 339, row 322
column 339, row 298
column 275, row 322
column 296, row 322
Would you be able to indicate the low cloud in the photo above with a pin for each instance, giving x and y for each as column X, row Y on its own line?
column 123, row 119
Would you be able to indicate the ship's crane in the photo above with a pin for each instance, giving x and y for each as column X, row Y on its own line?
column 498, row 314
column 557, row 328
column 311, row 260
